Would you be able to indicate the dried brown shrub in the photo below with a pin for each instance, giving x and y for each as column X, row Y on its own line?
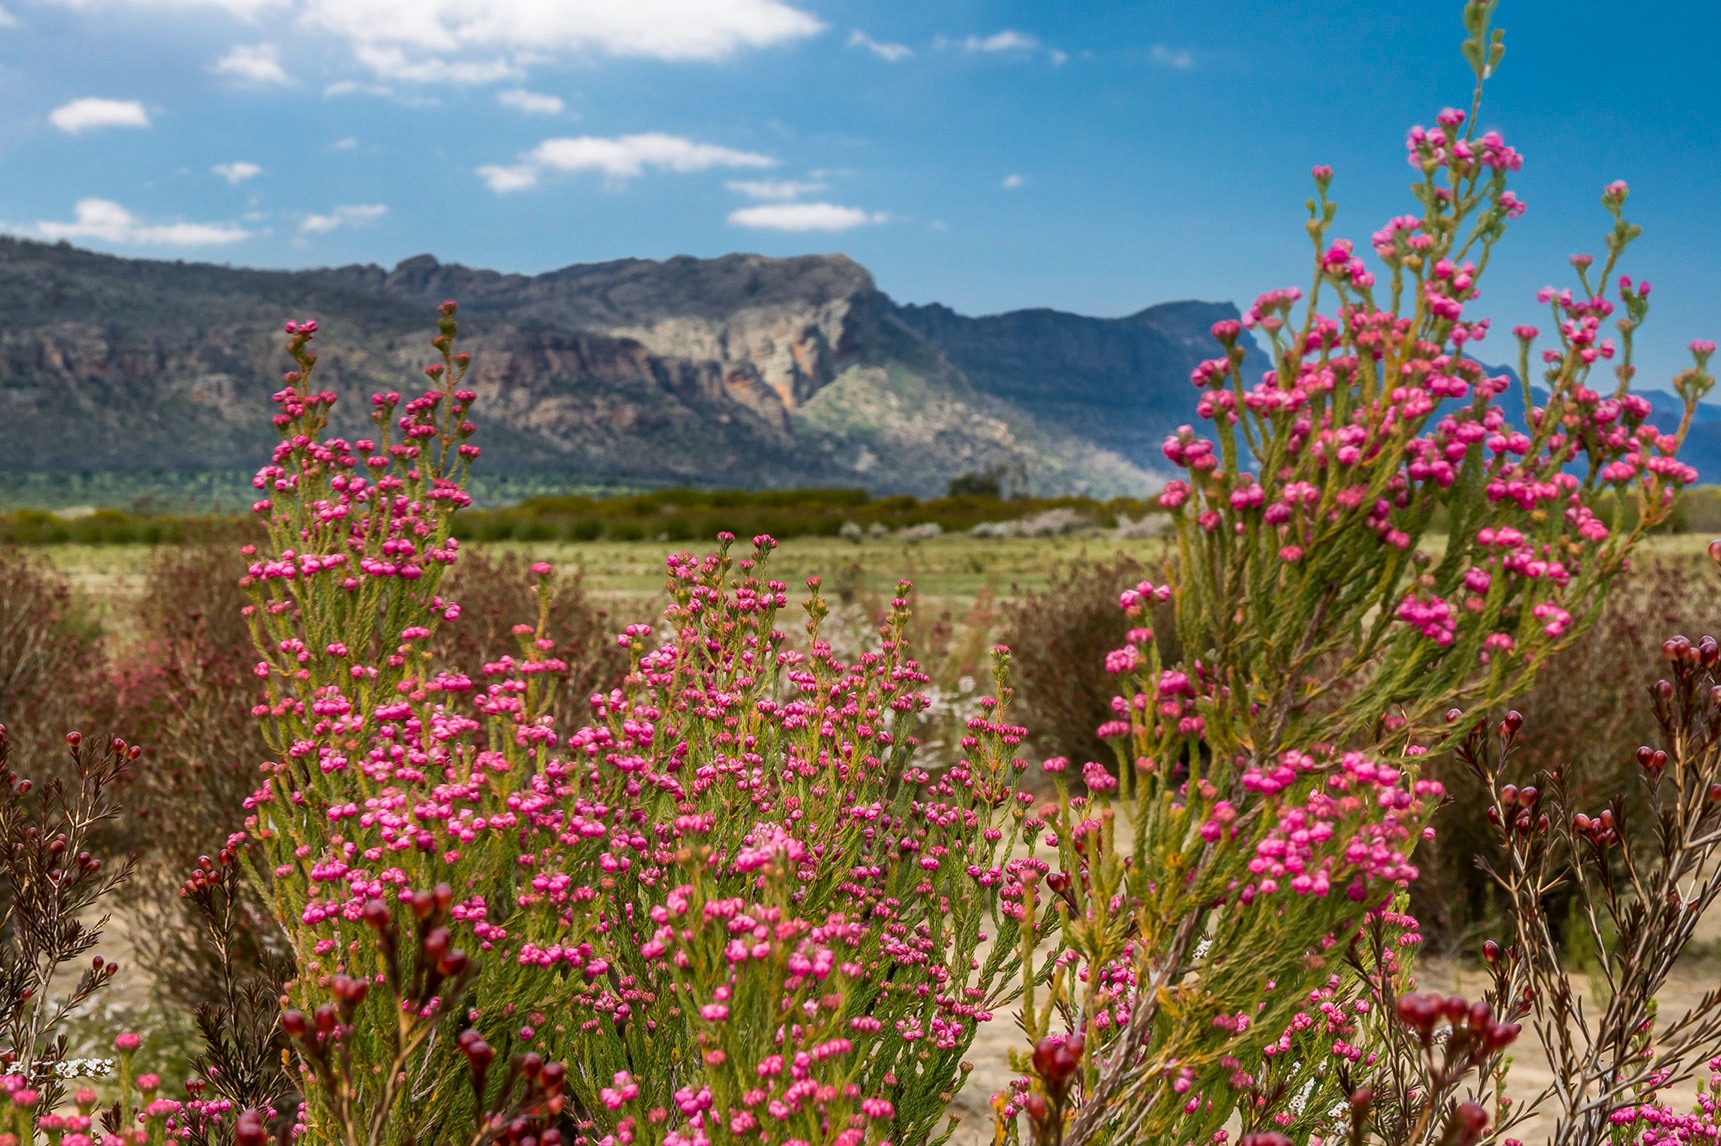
column 1059, row 637
column 188, row 691
column 52, row 662
column 1588, row 707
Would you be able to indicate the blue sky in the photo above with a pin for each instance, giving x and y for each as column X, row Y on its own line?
column 1095, row 156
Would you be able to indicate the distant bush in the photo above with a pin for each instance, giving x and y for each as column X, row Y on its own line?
column 52, row 661
column 115, row 527
column 690, row 514
column 185, row 690
column 1058, row 638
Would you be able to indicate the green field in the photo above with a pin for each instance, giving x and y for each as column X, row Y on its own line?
column 948, row 572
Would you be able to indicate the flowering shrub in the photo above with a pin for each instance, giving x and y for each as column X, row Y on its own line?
column 1266, row 796
column 730, row 901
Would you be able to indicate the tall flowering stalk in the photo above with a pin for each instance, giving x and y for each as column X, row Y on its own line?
column 1365, row 541
column 733, row 904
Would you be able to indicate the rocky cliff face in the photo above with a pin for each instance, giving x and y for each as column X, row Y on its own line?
column 734, row 371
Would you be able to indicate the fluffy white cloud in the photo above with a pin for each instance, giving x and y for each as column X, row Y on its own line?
column 773, row 188
column 352, row 215
column 621, row 157
column 804, row 217
column 532, row 103
column 108, row 222
column 255, row 63
column 396, row 63
column 1009, row 40
column 879, row 48
column 1178, row 59
column 502, row 179
column 1013, row 181
column 237, row 172
column 7, row 20
column 84, row 114
column 658, row 29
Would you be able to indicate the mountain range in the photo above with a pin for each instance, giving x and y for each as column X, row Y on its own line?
column 741, row 371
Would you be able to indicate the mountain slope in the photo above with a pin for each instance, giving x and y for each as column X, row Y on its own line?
column 1122, row 384
column 743, row 370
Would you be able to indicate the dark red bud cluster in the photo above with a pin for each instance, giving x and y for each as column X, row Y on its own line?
column 1056, row 1059
column 1475, row 1031
column 1599, row 831
column 1517, row 809
column 1680, row 650
column 1651, row 760
column 1510, row 725
column 1513, row 796
column 349, row 993
column 209, row 873
column 1465, row 1128
column 251, row 1129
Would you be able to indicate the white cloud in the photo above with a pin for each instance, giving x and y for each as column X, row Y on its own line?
column 656, row 29
column 346, row 144
column 773, row 188
column 254, row 63
column 1013, row 181
column 532, row 103
column 1177, row 59
column 84, row 114
column 7, row 20
column 237, row 172
column 505, row 179
column 108, row 222
column 881, row 49
column 630, row 155
column 396, row 63
column 1009, row 40
column 622, row 157
column 804, row 217
column 352, row 215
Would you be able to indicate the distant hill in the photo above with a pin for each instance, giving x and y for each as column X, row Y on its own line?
column 738, row 371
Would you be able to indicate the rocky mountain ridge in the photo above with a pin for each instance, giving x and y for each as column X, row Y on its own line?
column 737, row 371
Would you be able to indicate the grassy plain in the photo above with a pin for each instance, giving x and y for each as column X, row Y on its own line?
column 948, row 572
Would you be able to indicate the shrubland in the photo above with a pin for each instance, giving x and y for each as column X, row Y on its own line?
column 489, row 869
